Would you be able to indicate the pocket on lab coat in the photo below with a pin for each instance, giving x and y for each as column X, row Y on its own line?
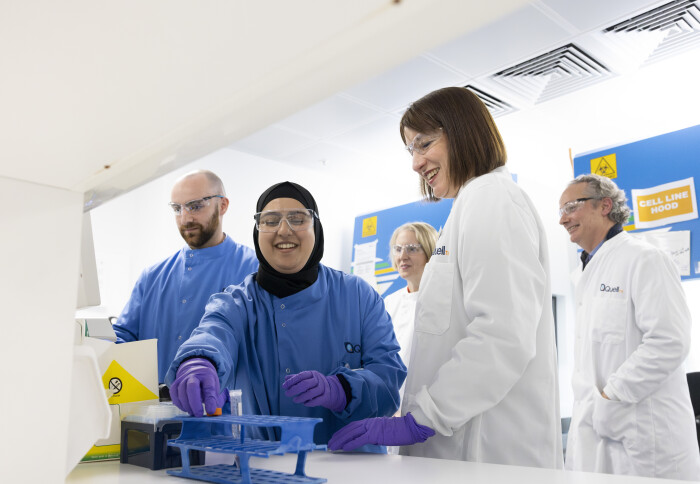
column 608, row 319
column 434, row 307
column 613, row 419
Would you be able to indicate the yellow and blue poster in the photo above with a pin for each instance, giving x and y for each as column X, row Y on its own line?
column 371, row 255
column 658, row 176
column 665, row 204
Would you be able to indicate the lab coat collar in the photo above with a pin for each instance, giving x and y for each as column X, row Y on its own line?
column 500, row 171
column 310, row 295
column 614, row 230
column 211, row 252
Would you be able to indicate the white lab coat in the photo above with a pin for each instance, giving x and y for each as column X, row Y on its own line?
column 401, row 306
column 632, row 336
column 483, row 369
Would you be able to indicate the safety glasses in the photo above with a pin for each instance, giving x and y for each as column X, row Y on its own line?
column 193, row 206
column 298, row 219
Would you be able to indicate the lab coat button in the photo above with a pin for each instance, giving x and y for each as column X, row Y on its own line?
column 189, row 268
column 179, row 337
column 284, row 325
column 191, row 254
column 288, row 370
column 184, row 301
column 281, row 306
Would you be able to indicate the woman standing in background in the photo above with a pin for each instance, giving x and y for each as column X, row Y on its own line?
column 411, row 246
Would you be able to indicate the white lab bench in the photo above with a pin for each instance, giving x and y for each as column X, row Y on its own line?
column 350, row 468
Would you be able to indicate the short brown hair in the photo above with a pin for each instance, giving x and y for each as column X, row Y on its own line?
column 474, row 144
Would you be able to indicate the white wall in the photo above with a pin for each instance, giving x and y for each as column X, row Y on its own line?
column 136, row 229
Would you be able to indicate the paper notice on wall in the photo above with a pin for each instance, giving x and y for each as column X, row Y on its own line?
column 665, row 204
column 675, row 243
column 364, row 261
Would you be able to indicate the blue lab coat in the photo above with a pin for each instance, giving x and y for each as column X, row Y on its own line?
column 169, row 298
column 338, row 325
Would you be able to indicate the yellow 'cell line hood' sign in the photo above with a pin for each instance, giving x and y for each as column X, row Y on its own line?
column 665, row 204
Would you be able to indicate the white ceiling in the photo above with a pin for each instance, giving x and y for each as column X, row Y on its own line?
column 100, row 96
column 359, row 125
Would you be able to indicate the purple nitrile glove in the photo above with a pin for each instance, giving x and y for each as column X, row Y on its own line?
column 196, row 382
column 380, row 431
column 312, row 389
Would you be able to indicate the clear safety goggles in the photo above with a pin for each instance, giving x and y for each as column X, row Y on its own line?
column 570, row 207
column 193, row 206
column 411, row 249
column 423, row 142
column 298, row 219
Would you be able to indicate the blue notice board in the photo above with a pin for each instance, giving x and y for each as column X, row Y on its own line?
column 649, row 163
column 372, row 233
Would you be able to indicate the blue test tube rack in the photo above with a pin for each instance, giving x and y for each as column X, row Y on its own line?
column 204, row 434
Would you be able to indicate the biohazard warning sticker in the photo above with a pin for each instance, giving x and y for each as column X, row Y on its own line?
column 124, row 387
column 605, row 166
column 369, row 226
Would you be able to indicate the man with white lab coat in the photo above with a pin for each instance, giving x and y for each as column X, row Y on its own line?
column 632, row 412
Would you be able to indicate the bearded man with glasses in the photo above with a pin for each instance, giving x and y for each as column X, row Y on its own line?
column 169, row 297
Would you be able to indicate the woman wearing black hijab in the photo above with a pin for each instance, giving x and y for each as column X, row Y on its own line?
column 293, row 334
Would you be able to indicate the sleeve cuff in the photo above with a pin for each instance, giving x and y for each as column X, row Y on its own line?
column 608, row 390
column 346, row 388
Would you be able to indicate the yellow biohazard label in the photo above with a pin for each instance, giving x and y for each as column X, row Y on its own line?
column 125, row 388
column 605, row 166
column 665, row 204
column 369, row 226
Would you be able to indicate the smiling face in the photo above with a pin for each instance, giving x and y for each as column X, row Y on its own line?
column 410, row 266
column 589, row 223
column 433, row 165
column 285, row 250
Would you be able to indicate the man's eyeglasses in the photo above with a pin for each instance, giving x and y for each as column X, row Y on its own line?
column 193, row 206
column 570, row 207
column 423, row 142
column 298, row 219
column 411, row 249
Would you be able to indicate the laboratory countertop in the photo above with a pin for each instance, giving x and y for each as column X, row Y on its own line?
column 342, row 468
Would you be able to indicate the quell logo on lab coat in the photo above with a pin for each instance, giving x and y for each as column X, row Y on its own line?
column 606, row 288
column 441, row 251
column 352, row 348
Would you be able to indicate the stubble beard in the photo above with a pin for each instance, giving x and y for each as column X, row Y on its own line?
column 205, row 233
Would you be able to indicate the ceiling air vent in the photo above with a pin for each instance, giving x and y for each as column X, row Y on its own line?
column 496, row 106
column 672, row 28
column 553, row 74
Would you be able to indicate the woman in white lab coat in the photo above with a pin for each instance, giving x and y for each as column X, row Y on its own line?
column 410, row 247
column 482, row 384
